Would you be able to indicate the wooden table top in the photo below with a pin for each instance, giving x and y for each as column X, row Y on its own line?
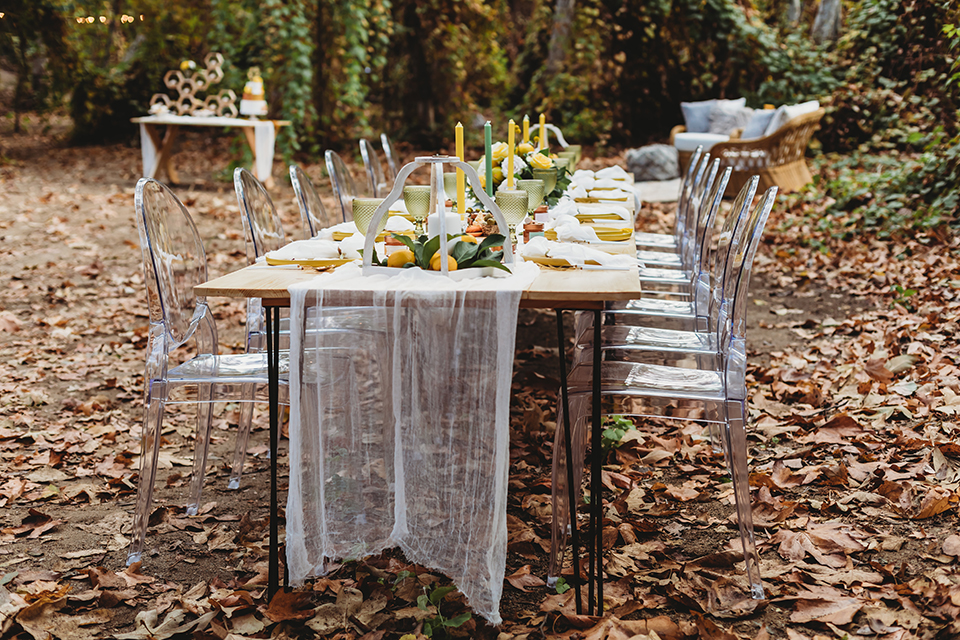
column 208, row 121
column 555, row 289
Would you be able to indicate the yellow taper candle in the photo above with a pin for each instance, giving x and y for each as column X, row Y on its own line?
column 511, row 138
column 543, row 132
column 526, row 128
column 461, row 187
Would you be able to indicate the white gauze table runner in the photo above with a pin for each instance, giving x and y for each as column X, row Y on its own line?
column 399, row 428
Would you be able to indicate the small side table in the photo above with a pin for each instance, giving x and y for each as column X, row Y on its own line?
column 157, row 150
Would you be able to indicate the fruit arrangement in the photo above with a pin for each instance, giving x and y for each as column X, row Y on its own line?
column 464, row 251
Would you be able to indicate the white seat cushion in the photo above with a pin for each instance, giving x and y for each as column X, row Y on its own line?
column 687, row 141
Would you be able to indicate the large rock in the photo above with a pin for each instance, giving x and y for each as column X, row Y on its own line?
column 653, row 162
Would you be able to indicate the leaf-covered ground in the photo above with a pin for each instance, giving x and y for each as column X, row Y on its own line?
column 854, row 386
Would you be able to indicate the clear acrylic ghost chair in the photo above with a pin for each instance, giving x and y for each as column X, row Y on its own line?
column 698, row 312
column 669, row 242
column 262, row 232
column 378, row 183
column 342, row 182
column 313, row 215
column 393, row 160
column 174, row 262
column 678, row 269
column 715, row 395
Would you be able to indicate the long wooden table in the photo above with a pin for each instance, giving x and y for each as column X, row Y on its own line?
column 566, row 289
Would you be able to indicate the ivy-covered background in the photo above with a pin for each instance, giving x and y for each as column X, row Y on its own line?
column 610, row 72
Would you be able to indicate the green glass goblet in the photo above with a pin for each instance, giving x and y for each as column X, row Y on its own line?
column 363, row 210
column 577, row 150
column 535, row 192
column 563, row 163
column 513, row 205
column 417, row 199
column 450, row 185
column 549, row 177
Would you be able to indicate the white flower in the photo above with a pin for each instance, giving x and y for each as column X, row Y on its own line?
column 518, row 165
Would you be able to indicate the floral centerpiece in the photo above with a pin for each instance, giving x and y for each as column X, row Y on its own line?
column 526, row 161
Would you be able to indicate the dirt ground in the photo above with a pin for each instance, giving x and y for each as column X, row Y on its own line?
column 832, row 527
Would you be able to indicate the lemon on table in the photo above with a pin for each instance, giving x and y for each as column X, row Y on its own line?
column 400, row 258
column 524, row 148
column 435, row 262
column 467, row 238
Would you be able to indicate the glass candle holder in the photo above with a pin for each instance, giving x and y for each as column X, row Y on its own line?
column 363, row 210
column 535, row 192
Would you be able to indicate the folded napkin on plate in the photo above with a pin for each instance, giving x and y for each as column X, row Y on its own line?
column 582, row 173
column 564, row 207
column 398, row 224
column 344, row 228
column 615, row 172
column 585, row 182
column 569, row 229
column 593, row 209
column 611, row 194
column 312, row 249
column 574, row 254
column 608, row 183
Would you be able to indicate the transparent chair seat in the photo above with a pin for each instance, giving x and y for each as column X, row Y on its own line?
column 648, row 379
column 660, row 304
column 658, row 258
column 393, row 160
column 241, row 368
column 644, row 238
column 631, row 336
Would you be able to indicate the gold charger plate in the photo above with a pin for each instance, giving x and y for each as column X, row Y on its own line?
column 604, row 233
column 555, row 262
column 340, row 235
column 325, row 262
column 587, row 217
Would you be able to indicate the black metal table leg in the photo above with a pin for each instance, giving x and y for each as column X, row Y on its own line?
column 596, row 470
column 568, row 451
column 273, row 388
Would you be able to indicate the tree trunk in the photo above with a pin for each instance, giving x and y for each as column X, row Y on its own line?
column 794, row 11
column 560, row 37
column 826, row 26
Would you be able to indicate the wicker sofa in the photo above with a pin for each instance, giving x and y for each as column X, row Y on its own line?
column 777, row 158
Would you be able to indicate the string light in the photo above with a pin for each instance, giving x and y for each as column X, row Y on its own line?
column 124, row 19
column 2, row 14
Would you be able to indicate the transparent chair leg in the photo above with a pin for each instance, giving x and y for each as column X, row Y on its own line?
column 736, row 445
column 149, row 458
column 243, row 435
column 202, row 447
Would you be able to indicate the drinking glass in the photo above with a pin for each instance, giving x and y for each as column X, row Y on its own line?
column 450, row 185
column 363, row 210
column 535, row 191
column 549, row 177
column 513, row 206
column 417, row 199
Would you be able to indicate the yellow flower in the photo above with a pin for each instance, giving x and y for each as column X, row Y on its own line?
column 539, row 161
column 499, row 151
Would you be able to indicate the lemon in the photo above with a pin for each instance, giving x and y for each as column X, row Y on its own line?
column 497, row 175
column 435, row 262
column 524, row 148
column 468, row 238
column 400, row 258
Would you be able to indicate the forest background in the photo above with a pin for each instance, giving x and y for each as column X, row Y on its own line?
column 610, row 72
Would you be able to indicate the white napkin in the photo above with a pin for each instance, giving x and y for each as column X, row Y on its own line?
column 582, row 173
column 615, row 172
column 312, row 249
column 398, row 207
column 576, row 254
column 398, row 224
column 608, row 183
column 569, row 229
column 343, row 227
column 598, row 207
column 564, row 207
column 585, row 182
column 576, row 192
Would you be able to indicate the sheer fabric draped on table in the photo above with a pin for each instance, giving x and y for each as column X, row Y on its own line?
column 399, row 430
